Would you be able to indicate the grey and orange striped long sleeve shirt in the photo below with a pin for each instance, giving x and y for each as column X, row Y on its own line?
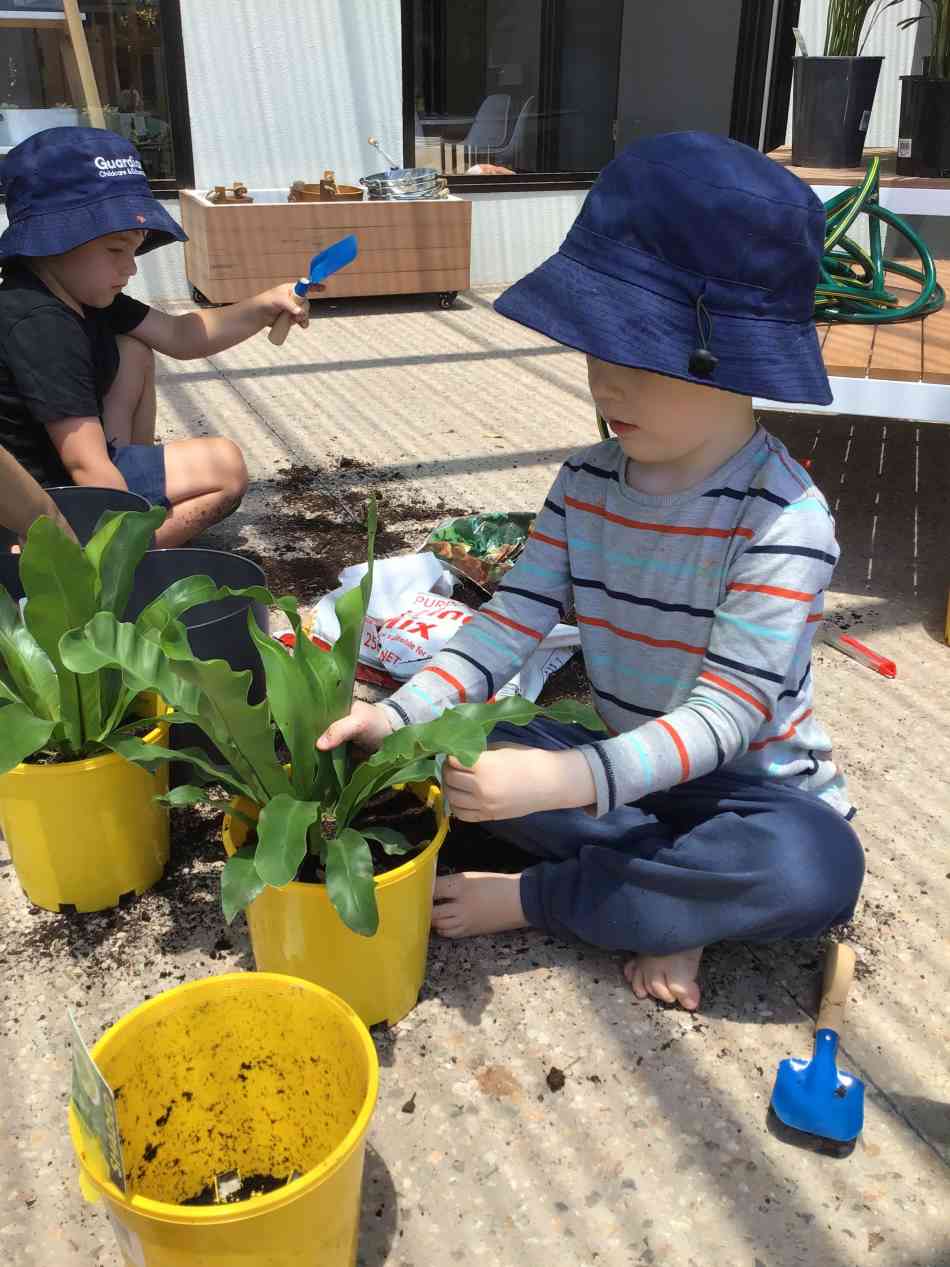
column 697, row 613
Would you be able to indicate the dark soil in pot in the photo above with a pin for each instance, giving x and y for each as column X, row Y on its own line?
column 48, row 756
column 251, row 1186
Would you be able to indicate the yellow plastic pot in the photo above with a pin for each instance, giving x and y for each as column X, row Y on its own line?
column 251, row 1072
column 83, row 834
column 296, row 930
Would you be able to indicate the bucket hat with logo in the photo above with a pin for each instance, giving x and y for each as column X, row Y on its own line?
column 66, row 186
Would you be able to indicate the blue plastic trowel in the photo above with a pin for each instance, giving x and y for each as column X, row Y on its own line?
column 815, row 1095
column 329, row 261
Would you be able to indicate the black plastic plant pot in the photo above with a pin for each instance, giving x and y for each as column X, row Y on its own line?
column 923, row 143
column 831, row 109
column 82, row 507
column 216, row 631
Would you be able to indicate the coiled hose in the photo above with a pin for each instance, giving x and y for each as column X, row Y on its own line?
column 851, row 282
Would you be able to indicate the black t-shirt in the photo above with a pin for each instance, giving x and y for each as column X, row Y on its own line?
column 54, row 364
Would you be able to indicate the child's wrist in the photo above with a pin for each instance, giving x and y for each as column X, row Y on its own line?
column 570, row 784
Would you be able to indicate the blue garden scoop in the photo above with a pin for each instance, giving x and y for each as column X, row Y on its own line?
column 329, row 261
column 814, row 1095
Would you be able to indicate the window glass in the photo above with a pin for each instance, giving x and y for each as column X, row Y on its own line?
column 515, row 86
column 41, row 83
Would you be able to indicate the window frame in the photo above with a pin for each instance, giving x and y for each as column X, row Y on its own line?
column 524, row 181
column 176, row 79
column 763, row 80
column 173, row 50
column 756, row 58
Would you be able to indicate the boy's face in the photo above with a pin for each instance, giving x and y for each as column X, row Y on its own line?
column 655, row 418
column 94, row 273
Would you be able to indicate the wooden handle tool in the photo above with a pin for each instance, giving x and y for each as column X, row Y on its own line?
column 839, row 973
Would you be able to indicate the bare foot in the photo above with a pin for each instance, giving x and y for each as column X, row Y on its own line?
column 670, row 978
column 474, row 902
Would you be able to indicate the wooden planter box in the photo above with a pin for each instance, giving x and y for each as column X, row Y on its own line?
column 404, row 247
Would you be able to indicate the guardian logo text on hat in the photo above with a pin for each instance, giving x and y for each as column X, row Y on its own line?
column 66, row 186
column 695, row 257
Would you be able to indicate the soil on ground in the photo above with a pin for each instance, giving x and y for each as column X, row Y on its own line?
column 312, row 529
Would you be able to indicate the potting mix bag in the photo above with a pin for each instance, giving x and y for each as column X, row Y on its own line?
column 410, row 617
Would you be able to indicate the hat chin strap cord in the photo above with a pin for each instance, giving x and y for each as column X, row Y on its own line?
column 702, row 362
column 851, row 281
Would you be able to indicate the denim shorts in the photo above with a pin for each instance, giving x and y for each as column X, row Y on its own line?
column 143, row 469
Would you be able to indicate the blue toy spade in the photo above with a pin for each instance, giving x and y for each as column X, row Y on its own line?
column 814, row 1095
column 329, row 261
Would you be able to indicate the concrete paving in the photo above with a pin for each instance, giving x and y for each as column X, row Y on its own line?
column 656, row 1150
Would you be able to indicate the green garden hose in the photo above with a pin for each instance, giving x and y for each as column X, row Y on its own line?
column 851, row 282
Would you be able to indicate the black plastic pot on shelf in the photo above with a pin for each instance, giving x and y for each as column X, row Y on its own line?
column 216, row 631
column 82, row 507
column 831, row 106
column 923, row 145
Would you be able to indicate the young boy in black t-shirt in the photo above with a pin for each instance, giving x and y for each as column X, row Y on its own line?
column 77, row 365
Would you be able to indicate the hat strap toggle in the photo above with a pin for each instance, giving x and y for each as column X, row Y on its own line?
column 703, row 363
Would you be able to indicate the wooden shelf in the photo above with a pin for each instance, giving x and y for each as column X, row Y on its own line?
column 889, row 178
column 237, row 250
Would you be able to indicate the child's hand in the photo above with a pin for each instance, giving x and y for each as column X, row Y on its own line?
column 282, row 299
column 366, row 724
column 512, row 782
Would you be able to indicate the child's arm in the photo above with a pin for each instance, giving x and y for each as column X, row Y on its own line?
column 22, row 500
column 52, row 367
column 197, row 334
column 480, row 658
column 773, row 604
column 775, row 593
column 505, row 783
column 81, row 445
column 488, row 650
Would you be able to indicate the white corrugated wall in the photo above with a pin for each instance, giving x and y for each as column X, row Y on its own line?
column 901, row 57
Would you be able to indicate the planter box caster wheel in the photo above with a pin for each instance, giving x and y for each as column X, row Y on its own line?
column 202, row 300
column 447, row 298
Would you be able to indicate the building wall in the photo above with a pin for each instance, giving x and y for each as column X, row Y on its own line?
column 280, row 91
column 513, row 233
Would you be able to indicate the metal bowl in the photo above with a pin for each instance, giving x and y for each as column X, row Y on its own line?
column 405, row 183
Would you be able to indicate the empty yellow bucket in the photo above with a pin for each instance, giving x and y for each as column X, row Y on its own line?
column 252, row 1072
column 83, row 834
column 296, row 930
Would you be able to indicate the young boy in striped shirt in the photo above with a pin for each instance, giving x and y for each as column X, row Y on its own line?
column 694, row 553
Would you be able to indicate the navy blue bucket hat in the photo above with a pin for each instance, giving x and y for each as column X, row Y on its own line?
column 66, row 186
column 695, row 257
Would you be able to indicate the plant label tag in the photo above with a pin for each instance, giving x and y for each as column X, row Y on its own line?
column 800, row 41
column 129, row 1244
column 865, row 120
column 905, row 146
column 95, row 1107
